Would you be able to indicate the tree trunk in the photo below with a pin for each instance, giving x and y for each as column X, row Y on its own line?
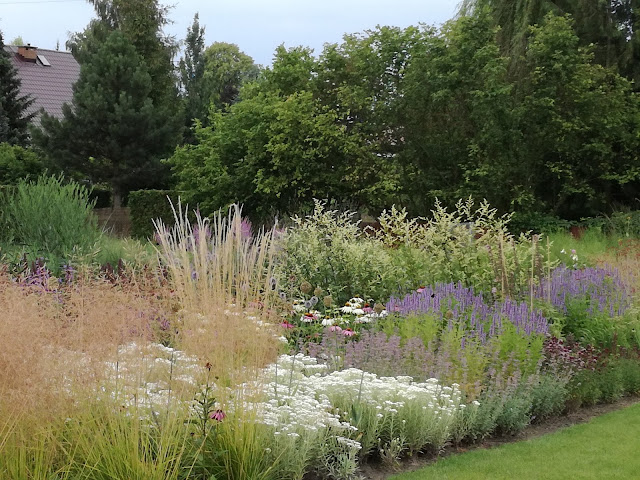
column 116, row 197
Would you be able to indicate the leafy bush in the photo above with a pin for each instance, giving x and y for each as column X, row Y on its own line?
column 328, row 250
column 18, row 163
column 50, row 217
column 101, row 195
column 625, row 224
column 537, row 222
column 149, row 205
column 470, row 245
column 548, row 397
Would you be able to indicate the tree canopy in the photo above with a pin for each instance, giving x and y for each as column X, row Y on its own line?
column 113, row 132
column 406, row 115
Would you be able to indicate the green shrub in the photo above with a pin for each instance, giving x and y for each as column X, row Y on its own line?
column 330, row 251
column 49, row 217
column 630, row 374
column 468, row 244
column 625, row 224
column 537, row 222
column 101, row 196
column 148, row 205
column 548, row 397
column 18, row 163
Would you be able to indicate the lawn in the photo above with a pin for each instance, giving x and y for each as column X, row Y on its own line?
column 606, row 447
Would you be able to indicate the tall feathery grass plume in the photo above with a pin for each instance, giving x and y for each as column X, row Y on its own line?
column 222, row 276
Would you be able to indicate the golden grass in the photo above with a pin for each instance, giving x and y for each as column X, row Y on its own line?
column 223, row 281
column 68, row 364
column 56, row 342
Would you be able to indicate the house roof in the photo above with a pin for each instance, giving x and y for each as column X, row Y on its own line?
column 51, row 86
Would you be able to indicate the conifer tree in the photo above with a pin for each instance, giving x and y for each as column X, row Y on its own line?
column 14, row 119
column 113, row 132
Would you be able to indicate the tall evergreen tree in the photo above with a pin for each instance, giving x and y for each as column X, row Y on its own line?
column 192, row 65
column 14, row 120
column 113, row 132
column 141, row 22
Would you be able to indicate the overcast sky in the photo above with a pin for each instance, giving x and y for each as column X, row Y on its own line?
column 256, row 26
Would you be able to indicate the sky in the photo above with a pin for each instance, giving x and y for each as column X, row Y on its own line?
column 256, row 26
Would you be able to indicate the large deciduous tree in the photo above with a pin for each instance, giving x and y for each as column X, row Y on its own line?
column 611, row 27
column 113, row 132
column 226, row 69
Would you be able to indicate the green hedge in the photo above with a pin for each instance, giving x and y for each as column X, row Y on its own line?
column 101, row 196
column 147, row 205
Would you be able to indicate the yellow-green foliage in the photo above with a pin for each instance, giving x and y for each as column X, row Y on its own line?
column 469, row 244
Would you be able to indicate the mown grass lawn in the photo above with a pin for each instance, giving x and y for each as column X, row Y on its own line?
column 608, row 447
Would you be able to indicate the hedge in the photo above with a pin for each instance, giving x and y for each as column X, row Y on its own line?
column 147, row 205
column 101, row 195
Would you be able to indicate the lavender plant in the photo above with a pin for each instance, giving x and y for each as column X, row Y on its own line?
column 587, row 300
column 456, row 306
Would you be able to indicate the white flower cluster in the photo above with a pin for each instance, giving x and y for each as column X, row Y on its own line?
column 356, row 310
column 303, row 402
column 145, row 375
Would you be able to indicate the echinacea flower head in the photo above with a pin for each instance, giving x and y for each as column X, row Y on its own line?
column 347, row 308
column 286, row 324
column 335, row 328
column 217, row 415
column 347, row 332
column 308, row 317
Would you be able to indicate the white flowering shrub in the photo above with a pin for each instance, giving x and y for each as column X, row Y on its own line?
column 307, row 418
column 323, row 421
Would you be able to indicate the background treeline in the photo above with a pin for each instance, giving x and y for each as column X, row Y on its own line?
column 530, row 104
column 406, row 115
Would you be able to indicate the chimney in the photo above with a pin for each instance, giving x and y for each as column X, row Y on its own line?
column 28, row 53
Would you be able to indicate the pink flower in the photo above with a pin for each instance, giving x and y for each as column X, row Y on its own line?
column 347, row 332
column 335, row 328
column 421, row 289
column 286, row 324
column 218, row 415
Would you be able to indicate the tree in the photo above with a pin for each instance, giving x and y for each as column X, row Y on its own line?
column 18, row 163
column 282, row 143
column 580, row 122
column 226, row 69
column 141, row 22
column 18, row 41
column 459, row 123
column 192, row 67
column 609, row 26
column 113, row 132
column 14, row 119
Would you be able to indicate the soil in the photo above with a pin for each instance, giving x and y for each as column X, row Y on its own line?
column 376, row 471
